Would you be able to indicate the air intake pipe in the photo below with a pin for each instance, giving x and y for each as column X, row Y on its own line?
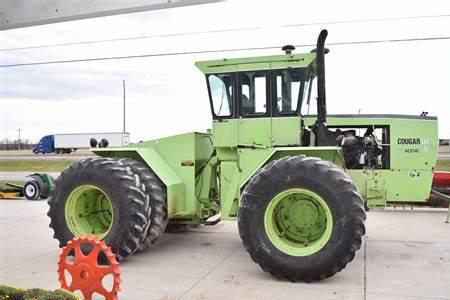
column 320, row 63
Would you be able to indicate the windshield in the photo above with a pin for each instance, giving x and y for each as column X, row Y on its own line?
column 220, row 89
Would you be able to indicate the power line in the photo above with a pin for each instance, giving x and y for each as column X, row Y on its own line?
column 238, row 29
column 220, row 50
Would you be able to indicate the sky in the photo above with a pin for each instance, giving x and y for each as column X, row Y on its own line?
column 167, row 95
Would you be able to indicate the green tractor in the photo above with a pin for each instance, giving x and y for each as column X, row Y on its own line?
column 297, row 184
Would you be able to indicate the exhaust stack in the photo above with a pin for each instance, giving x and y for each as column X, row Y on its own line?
column 320, row 60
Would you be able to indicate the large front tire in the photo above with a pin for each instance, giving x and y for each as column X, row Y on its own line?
column 301, row 218
column 100, row 197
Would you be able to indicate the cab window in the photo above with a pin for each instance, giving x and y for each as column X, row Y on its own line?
column 306, row 99
column 221, row 94
column 288, row 88
column 253, row 94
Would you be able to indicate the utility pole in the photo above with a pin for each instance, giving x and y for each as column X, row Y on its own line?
column 359, row 130
column 19, row 130
column 123, row 84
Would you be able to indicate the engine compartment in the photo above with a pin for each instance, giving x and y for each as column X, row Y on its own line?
column 361, row 151
column 363, row 146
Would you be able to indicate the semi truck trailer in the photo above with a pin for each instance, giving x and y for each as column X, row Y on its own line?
column 69, row 142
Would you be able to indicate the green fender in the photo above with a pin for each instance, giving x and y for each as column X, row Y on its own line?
column 174, row 184
column 252, row 159
column 247, row 156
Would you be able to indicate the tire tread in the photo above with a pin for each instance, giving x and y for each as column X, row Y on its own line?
column 339, row 181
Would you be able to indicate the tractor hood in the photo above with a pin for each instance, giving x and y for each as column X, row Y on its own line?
column 301, row 60
column 358, row 118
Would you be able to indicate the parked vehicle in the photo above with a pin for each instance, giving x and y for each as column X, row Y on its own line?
column 69, row 142
column 296, row 184
column 39, row 186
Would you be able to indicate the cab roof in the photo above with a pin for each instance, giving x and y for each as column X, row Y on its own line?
column 226, row 65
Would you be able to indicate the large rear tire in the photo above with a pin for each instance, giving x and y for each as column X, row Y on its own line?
column 301, row 218
column 101, row 197
column 155, row 190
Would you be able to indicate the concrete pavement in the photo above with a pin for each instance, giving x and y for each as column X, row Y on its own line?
column 405, row 255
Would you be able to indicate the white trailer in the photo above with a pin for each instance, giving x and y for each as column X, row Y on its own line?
column 72, row 141
column 68, row 142
column 82, row 140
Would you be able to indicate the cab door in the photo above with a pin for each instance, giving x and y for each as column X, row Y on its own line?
column 254, row 109
column 222, row 90
column 288, row 89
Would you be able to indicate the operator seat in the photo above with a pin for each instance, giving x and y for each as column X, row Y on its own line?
column 247, row 106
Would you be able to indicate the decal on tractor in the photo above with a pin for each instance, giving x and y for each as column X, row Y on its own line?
column 422, row 142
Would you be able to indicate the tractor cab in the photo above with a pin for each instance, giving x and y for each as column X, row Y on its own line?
column 257, row 101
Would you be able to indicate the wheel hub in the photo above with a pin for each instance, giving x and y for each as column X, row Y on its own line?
column 298, row 222
column 89, row 211
column 84, row 272
column 30, row 190
column 302, row 212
